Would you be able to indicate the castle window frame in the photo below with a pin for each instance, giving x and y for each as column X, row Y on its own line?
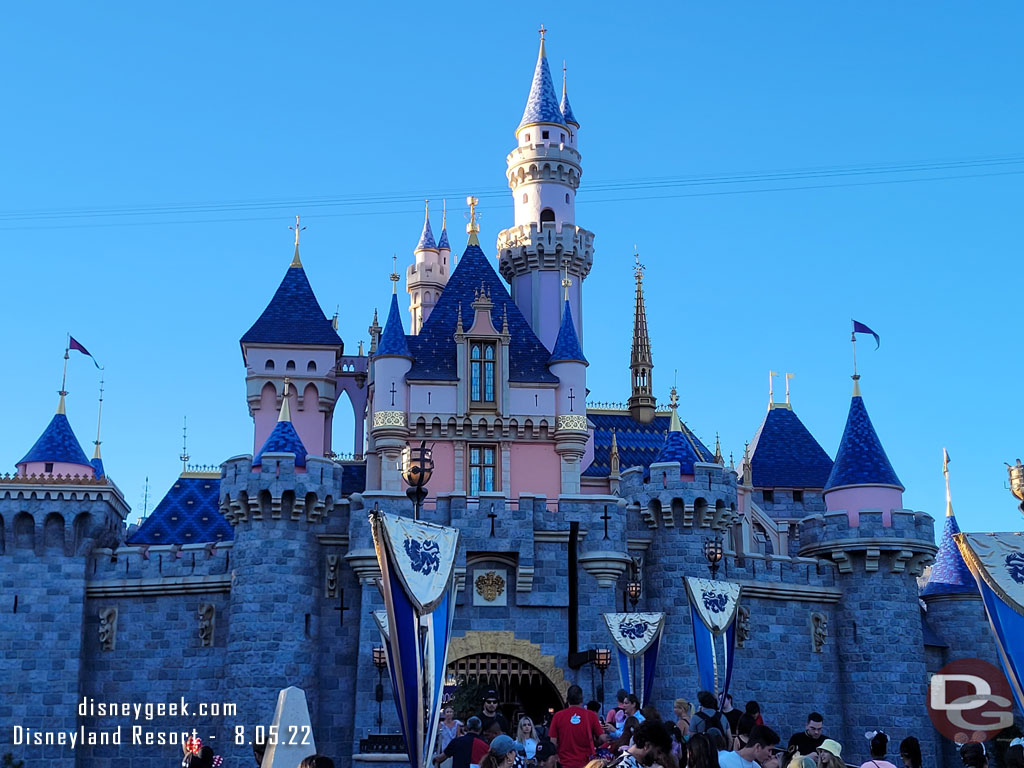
column 768, row 497
column 527, row 138
column 483, row 468
column 545, row 134
column 290, row 365
column 48, row 467
column 798, row 497
column 483, row 373
column 311, row 366
column 269, row 365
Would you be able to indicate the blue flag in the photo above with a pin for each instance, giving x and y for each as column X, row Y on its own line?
column 861, row 328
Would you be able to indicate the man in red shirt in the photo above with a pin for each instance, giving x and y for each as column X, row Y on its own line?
column 575, row 731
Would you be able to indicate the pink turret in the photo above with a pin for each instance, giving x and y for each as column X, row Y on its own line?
column 57, row 451
column 428, row 275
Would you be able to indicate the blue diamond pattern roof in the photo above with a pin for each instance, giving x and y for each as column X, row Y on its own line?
column 97, row 466
column 861, row 460
column 188, row 514
column 677, row 448
column 566, row 109
column 433, row 348
column 353, row 477
column 639, row 444
column 283, row 439
column 293, row 316
column 426, row 238
column 57, row 444
column 784, row 454
column 392, row 340
column 567, row 345
column 442, row 242
column 542, row 103
column 950, row 574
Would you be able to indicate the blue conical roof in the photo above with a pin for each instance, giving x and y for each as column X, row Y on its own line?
column 442, row 242
column 293, row 316
column 566, row 109
column 784, row 454
column 950, row 574
column 426, row 238
column 57, row 444
column 283, row 439
column 542, row 103
column 567, row 345
column 678, row 448
column 392, row 340
column 861, row 460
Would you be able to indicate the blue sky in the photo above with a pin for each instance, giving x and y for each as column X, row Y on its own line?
column 154, row 156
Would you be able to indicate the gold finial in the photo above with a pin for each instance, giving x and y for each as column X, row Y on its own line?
column 286, row 414
column 771, row 387
column 444, row 214
column 566, row 282
column 856, row 384
column 674, row 425
column 394, row 276
column 788, row 377
column 613, row 456
column 945, row 471
column 472, row 228
column 543, row 31
column 673, row 397
column 296, row 229
column 60, row 403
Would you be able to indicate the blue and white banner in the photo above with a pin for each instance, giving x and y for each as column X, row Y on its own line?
column 997, row 562
column 417, row 565
column 637, row 638
column 713, row 607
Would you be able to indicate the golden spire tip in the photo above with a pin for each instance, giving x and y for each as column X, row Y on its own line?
column 286, row 414
column 296, row 262
column 394, row 277
column 473, row 227
column 60, row 403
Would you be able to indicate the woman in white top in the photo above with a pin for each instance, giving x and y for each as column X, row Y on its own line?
column 449, row 728
column 526, row 736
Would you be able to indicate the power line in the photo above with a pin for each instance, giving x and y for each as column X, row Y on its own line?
column 595, row 193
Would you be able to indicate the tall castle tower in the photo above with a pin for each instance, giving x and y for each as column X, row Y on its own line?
column 544, row 173
column 641, row 398
column 427, row 276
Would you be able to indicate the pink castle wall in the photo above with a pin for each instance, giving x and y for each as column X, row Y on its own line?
column 535, row 468
column 59, row 468
column 853, row 500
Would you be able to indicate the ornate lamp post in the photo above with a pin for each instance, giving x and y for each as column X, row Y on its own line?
column 417, row 467
column 633, row 590
column 602, row 660
column 380, row 661
column 713, row 551
column 1017, row 481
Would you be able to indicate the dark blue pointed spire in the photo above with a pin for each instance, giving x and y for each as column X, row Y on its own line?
column 567, row 345
column 861, row 460
column 393, row 340
column 293, row 316
column 950, row 574
column 283, row 438
column 542, row 103
column 58, row 443
column 426, row 242
column 677, row 447
column 565, row 107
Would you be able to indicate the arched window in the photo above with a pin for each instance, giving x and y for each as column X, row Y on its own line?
column 567, row 197
column 311, row 367
column 527, row 138
column 526, row 198
column 270, row 365
column 481, row 372
column 547, row 215
column 290, row 365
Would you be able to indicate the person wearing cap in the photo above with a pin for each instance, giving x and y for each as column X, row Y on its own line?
column 502, row 753
column 466, row 750
column 830, row 754
column 546, row 755
column 490, row 713
column 575, row 731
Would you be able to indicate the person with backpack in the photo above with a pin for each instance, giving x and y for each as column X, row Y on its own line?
column 709, row 720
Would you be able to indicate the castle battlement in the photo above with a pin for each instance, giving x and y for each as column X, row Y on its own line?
column 157, row 569
column 706, row 499
column 279, row 490
column 544, row 245
column 902, row 538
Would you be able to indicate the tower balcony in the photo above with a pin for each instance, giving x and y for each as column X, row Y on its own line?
column 530, row 247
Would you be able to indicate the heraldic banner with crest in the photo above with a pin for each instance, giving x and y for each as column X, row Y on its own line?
column 417, row 566
column 997, row 562
column 713, row 606
column 637, row 638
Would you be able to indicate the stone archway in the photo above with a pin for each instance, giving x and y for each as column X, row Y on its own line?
column 504, row 642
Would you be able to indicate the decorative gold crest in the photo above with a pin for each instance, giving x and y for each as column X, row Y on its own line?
column 489, row 586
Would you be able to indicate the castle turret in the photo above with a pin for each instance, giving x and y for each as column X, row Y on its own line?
column 57, row 451
column 427, row 276
column 283, row 438
column 677, row 446
column 570, row 366
column 390, row 397
column 880, row 550
column 544, row 173
column 641, row 400
column 862, row 477
column 293, row 338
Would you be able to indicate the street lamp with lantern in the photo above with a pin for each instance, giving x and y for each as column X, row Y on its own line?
column 417, row 467
column 634, row 587
column 602, row 660
column 713, row 551
column 380, row 661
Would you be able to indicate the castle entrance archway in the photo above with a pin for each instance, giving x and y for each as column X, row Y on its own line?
column 527, row 681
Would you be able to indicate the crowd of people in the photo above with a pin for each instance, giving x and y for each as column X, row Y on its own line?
column 712, row 734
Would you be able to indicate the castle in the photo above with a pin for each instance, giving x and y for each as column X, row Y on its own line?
column 262, row 575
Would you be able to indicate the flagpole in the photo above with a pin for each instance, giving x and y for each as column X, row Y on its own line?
column 64, row 376
column 99, row 415
column 856, row 376
column 945, row 471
